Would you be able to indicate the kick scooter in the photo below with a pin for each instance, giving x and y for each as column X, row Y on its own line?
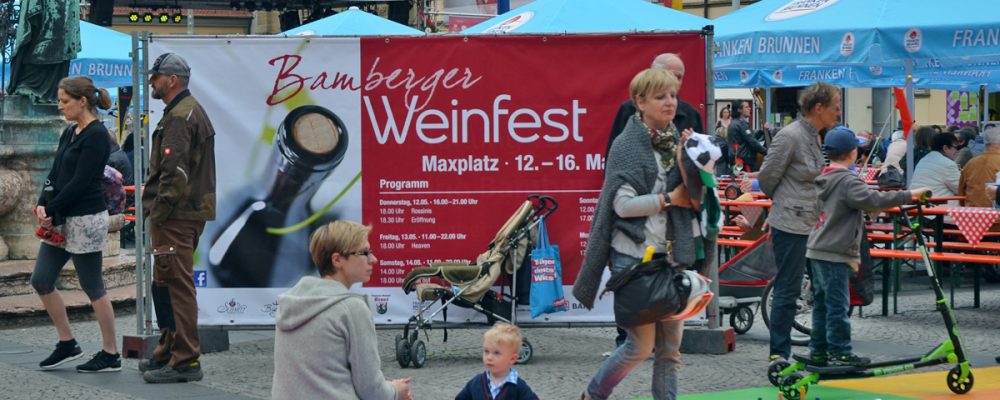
column 793, row 379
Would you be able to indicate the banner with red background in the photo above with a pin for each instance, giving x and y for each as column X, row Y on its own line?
column 455, row 141
column 448, row 134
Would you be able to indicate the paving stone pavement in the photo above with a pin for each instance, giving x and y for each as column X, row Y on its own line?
column 564, row 361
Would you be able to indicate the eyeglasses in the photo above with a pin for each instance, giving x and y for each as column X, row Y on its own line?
column 365, row 253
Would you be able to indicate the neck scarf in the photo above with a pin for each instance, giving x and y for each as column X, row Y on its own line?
column 665, row 143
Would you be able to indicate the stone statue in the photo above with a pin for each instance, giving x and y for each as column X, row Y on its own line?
column 48, row 38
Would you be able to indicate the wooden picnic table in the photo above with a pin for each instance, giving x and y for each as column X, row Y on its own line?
column 940, row 246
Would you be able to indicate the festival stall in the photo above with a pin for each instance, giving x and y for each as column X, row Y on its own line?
column 104, row 57
column 353, row 22
column 589, row 16
column 859, row 43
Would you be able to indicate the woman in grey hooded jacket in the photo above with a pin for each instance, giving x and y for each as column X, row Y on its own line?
column 325, row 344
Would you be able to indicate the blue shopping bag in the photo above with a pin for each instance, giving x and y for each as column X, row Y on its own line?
column 546, row 276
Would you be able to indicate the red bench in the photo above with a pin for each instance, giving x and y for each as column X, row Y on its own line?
column 889, row 254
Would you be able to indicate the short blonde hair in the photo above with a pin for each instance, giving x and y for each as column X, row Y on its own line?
column 652, row 80
column 504, row 333
column 336, row 237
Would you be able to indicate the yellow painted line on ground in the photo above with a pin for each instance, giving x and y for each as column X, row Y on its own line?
column 927, row 385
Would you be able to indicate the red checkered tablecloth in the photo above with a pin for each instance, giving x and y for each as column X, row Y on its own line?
column 973, row 221
column 752, row 213
column 868, row 174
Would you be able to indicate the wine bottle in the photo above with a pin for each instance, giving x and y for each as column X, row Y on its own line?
column 311, row 141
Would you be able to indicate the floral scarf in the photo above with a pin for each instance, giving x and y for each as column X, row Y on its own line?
column 665, row 143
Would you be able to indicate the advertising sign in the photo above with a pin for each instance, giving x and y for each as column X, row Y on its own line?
column 433, row 141
column 963, row 108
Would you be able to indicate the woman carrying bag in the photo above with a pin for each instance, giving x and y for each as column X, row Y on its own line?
column 631, row 215
column 72, row 204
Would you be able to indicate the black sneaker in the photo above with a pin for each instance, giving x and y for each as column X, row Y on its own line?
column 190, row 373
column 849, row 360
column 102, row 362
column 64, row 352
column 151, row 365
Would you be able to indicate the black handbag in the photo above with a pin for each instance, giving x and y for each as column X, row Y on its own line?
column 891, row 178
column 648, row 292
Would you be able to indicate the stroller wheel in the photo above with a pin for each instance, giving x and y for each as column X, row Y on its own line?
column 402, row 351
column 418, row 354
column 956, row 386
column 526, row 352
column 741, row 320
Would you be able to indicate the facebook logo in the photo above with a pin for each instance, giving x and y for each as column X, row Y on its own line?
column 200, row 278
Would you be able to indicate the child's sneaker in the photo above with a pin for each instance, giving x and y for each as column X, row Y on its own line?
column 819, row 360
column 102, row 362
column 50, row 237
column 64, row 352
column 849, row 360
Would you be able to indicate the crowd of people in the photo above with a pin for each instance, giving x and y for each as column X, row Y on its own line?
column 325, row 335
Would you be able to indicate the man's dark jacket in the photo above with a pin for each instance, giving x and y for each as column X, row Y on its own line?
column 181, row 182
column 687, row 117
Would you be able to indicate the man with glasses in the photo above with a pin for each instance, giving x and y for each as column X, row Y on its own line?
column 325, row 346
column 179, row 196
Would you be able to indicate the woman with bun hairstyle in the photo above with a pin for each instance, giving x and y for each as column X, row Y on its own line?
column 72, row 204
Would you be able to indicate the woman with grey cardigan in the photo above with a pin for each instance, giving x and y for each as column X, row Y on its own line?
column 632, row 213
column 788, row 177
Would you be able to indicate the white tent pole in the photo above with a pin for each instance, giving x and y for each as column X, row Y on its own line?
column 767, row 107
column 712, row 263
column 910, row 135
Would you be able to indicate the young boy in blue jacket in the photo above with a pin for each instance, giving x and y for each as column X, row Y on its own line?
column 501, row 349
column 833, row 248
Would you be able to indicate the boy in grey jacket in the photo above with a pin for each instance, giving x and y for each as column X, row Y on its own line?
column 834, row 247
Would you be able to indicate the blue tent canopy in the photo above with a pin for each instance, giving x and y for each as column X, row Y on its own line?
column 353, row 22
column 104, row 57
column 869, row 42
column 589, row 16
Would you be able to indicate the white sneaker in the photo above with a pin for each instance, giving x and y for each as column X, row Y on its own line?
column 606, row 354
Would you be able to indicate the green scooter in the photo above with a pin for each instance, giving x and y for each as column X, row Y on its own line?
column 793, row 379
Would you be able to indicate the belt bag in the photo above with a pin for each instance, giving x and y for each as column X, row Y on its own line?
column 648, row 292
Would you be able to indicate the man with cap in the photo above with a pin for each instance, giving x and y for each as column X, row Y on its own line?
column 833, row 247
column 179, row 196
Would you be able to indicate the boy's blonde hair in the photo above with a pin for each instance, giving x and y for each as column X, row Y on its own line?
column 504, row 333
